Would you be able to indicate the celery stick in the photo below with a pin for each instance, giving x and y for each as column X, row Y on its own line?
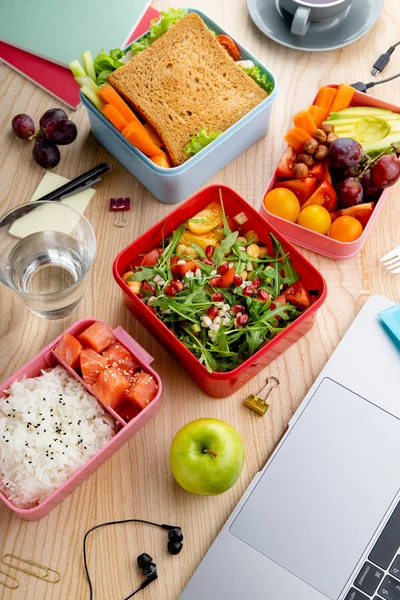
column 87, row 81
column 85, row 89
column 88, row 64
column 76, row 68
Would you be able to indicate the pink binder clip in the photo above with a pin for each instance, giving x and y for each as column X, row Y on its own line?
column 120, row 205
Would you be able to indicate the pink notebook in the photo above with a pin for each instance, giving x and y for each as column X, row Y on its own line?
column 57, row 80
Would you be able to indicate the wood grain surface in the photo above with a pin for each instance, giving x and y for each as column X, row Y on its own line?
column 137, row 482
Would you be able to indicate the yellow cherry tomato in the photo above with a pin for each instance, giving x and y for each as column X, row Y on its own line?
column 345, row 229
column 282, row 203
column 316, row 218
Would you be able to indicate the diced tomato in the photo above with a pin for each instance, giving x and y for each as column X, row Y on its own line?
column 152, row 257
column 69, row 350
column 92, row 364
column 143, row 390
column 327, row 172
column 302, row 188
column 181, row 270
column 111, row 387
column 286, row 164
column 120, row 358
column 361, row 212
column 233, row 226
column 227, row 278
column 229, row 45
column 297, row 295
column 324, row 195
column 318, row 171
column 98, row 336
column 127, row 410
column 282, row 301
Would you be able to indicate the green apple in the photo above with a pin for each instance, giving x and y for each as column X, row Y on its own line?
column 207, row 456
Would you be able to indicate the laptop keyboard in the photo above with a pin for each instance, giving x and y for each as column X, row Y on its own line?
column 379, row 577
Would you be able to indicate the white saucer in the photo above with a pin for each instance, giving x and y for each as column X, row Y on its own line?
column 275, row 23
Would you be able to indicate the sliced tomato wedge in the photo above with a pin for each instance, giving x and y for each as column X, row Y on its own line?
column 327, row 172
column 152, row 257
column 227, row 278
column 286, row 164
column 181, row 270
column 361, row 212
column 302, row 188
column 229, row 45
column 325, row 196
column 297, row 295
column 318, row 171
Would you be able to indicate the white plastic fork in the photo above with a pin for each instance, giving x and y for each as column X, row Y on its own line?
column 391, row 260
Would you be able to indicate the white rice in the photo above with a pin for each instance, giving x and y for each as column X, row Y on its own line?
column 49, row 427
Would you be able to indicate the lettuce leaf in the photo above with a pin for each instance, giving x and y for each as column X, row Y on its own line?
column 259, row 77
column 200, row 140
column 158, row 27
column 104, row 64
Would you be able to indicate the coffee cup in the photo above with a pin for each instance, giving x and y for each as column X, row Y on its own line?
column 306, row 12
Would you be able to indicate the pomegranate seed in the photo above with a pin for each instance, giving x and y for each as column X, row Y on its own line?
column 216, row 281
column 170, row 290
column 209, row 251
column 222, row 269
column 208, row 261
column 242, row 320
column 237, row 280
column 212, row 312
column 177, row 284
column 217, row 297
column 256, row 282
column 149, row 288
column 263, row 295
column 152, row 309
column 238, row 308
column 249, row 290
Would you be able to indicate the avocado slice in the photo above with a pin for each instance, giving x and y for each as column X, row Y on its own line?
column 375, row 148
column 356, row 112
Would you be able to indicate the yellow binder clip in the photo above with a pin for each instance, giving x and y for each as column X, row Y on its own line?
column 256, row 403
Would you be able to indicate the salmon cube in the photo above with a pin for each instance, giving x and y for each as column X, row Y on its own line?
column 69, row 350
column 120, row 358
column 98, row 336
column 143, row 389
column 111, row 387
column 127, row 410
column 92, row 364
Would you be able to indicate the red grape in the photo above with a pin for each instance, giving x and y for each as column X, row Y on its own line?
column 53, row 114
column 370, row 190
column 349, row 192
column 386, row 171
column 61, row 132
column 23, row 126
column 345, row 152
column 46, row 154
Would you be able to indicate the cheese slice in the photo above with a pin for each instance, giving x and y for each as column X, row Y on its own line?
column 46, row 218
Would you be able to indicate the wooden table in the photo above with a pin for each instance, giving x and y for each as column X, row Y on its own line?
column 137, row 480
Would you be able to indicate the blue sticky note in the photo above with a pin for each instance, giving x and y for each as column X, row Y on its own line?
column 391, row 319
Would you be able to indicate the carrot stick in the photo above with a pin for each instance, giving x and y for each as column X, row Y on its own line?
column 344, row 95
column 318, row 114
column 161, row 160
column 153, row 135
column 325, row 98
column 297, row 137
column 134, row 134
column 304, row 120
column 114, row 116
column 108, row 95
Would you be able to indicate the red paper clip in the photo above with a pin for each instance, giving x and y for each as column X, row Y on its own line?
column 120, row 205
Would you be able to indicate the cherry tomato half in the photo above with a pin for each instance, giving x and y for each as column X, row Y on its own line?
column 229, row 46
column 152, row 257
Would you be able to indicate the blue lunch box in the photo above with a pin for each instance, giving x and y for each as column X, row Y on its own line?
column 177, row 183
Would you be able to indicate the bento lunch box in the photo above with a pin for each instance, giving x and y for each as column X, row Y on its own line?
column 214, row 384
column 322, row 244
column 177, row 183
column 47, row 359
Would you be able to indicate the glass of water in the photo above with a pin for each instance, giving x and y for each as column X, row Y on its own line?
column 46, row 251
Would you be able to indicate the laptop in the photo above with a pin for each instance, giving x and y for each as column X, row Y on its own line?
column 322, row 519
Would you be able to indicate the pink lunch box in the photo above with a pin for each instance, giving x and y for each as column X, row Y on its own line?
column 316, row 241
column 47, row 359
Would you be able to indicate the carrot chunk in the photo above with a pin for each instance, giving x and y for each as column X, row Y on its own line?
column 98, row 336
column 153, row 135
column 108, row 95
column 161, row 160
column 304, row 120
column 114, row 116
column 134, row 134
column 69, row 350
column 296, row 138
column 344, row 96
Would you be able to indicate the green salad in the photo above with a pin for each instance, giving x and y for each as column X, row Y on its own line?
column 222, row 292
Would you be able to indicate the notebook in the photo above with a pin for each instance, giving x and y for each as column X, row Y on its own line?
column 56, row 80
column 61, row 30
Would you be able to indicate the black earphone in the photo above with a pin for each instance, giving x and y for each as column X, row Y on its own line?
column 144, row 561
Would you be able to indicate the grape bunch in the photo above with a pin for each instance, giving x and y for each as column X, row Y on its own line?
column 358, row 177
column 55, row 129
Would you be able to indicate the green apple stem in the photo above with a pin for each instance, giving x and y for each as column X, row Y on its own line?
column 207, row 451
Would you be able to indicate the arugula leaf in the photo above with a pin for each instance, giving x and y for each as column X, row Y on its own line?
column 146, row 274
column 261, row 78
column 199, row 250
column 224, row 247
column 227, row 229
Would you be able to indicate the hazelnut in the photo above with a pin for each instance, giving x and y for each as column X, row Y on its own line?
column 331, row 138
column 321, row 152
column 306, row 159
column 300, row 171
column 328, row 128
column 310, row 146
column 320, row 136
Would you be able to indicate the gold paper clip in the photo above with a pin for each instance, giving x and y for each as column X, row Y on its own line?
column 44, row 572
column 10, row 586
column 256, row 403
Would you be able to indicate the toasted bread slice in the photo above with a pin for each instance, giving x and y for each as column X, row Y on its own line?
column 186, row 80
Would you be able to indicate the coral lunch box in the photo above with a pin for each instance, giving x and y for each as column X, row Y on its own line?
column 215, row 384
column 176, row 184
column 316, row 241
column 47, row 359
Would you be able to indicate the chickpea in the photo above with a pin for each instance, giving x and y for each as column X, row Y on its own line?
column 253, row 251
column 191, row 252
column 243, row 275
column 263, row 252
column 135, row 286
column 180, row 249
column 126, row 275
column 252, row 236
column 241, row 240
